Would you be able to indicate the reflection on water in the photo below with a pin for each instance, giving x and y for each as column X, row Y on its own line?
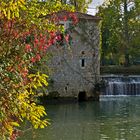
column 110, row 119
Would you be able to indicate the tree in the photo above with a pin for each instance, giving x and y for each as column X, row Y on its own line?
column 110, row 30
column 80, row 5
column 25, row 33
column 135, row 31
column 119, row 25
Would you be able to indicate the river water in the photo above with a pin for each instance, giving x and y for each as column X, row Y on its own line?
column 113, row 118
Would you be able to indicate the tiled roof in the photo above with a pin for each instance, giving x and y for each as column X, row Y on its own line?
column 78, row 14
column 87, row 16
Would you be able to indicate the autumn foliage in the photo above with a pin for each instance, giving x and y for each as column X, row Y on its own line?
column 26, row 34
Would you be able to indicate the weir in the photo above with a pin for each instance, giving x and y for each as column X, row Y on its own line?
column 121, row 85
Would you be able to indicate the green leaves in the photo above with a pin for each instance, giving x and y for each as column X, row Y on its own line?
column 119, row 30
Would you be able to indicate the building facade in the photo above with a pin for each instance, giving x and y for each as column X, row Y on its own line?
column 75, row 67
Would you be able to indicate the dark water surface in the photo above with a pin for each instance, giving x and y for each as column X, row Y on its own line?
column 110, row 119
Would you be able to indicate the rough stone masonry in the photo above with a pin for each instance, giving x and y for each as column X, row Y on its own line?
column 76, row 67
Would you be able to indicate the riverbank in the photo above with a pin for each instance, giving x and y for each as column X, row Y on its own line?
column 63, row 100
column 131, row 70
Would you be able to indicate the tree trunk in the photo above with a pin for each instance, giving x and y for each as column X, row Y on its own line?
column 126, row 33
column 127, row 60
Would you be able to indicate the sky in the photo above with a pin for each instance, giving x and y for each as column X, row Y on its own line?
column 93, row 6
column 95, row 3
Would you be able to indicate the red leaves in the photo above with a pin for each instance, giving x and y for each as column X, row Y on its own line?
column 39, row 42
column 38, row 57
column 74, row 18
column 45, row 47
column 36, row 41
column 33, row 60
column 52, row 34
column 65, row 18
column 58, row 38
column 28, row 48
column 33, row 43
column 67, row 38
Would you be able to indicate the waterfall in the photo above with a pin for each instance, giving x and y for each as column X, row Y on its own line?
column 121, row 85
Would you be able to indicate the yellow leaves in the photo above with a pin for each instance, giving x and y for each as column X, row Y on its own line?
column 22, row 106
column 34, row 85
column 33, row 113
column 9, row 14
column 4, row 11
column 27, row 107
column 44, row 75
column 31, row 11
column 23, row 95
column 11, row 9
column 35, row 126
column 38, row 80
column 9, row 126
column 42, row 126
column 23, row 114
column 17, row 13
column 15, row 124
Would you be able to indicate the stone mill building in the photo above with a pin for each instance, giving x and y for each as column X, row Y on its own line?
column 75, row 68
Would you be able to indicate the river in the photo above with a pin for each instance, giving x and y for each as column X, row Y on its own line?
column 113, row 118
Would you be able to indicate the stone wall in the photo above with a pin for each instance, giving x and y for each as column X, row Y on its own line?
column 76, row 67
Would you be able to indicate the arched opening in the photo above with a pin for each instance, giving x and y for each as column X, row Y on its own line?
column 82, row 96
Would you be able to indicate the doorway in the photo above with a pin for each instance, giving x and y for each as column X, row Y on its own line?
column 82, row 96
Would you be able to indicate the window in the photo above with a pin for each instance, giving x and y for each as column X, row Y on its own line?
column 66, row 88
column 82, row 62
